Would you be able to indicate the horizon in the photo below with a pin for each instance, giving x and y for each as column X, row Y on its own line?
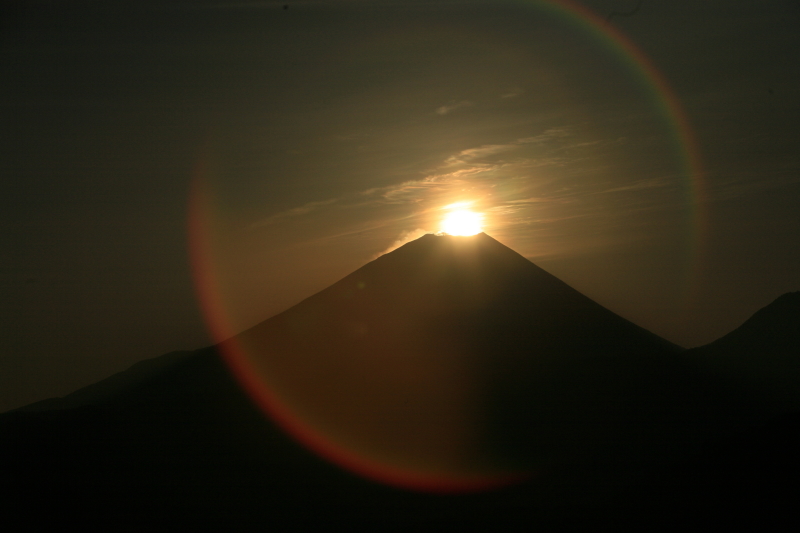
column 226, row 338
column 406, row 372
column 645, row 159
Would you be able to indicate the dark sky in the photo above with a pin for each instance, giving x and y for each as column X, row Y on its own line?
column 646, row 153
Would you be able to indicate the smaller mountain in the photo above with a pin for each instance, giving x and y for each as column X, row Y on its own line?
column 762, row 356
column 460, row 345
column 114, row 389
column 745, row 476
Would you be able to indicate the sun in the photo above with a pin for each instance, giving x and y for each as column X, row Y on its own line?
column 462, row 223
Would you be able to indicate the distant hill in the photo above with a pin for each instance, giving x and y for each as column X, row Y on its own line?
column 762, row 355
column 746, row 476
column 117, row 388
column 448, row 364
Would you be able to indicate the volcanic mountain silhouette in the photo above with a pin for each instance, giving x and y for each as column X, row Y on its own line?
column 452, row 363
column 456, row 360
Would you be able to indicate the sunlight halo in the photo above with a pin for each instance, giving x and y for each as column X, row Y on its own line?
column 462, row 223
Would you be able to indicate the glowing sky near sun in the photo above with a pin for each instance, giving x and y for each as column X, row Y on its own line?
column 462, row 222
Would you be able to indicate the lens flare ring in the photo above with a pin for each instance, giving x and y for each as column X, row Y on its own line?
column 204, row 219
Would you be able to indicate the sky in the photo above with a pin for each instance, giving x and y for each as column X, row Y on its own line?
column 176, row 171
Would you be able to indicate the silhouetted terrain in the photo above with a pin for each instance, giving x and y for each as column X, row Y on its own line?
column 762, row 354
column 613, row 425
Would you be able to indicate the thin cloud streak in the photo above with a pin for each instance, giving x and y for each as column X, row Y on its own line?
column 294, row 212
column 449, row 108
column 513, row 93
column 477, row 178
column 487, row 150
column 537, row 186
column 403, row 238
column 651, row 183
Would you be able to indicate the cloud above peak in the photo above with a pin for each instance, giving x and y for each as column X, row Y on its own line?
column 453, row 106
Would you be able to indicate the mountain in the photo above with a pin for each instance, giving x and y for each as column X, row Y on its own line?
column 450, row 365
column 761, row 356
column 747, row 477
column 116, row 388
column 455, row 361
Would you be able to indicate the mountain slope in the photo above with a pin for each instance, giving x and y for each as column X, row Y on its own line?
column 748, row 474
column 461, row 350
column 115, row 387
column 761, row 356
column 455, row 358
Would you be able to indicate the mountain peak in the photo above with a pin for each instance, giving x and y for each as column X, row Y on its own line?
column 402, row 369
column 445, row 234
column 442, row 238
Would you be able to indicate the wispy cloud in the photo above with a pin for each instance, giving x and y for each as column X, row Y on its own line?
column 750, row 183
column 526, row 201
column 547, row 135
column 470, row 172
column 295, row 211
column 538, row 188
column 650, row 183
column 232, row 5
column 452, row 106
column 479, row 152
column 403, row 238
column 512, row 93
column 487, row 150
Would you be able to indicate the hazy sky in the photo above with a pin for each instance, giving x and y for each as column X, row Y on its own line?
column 646, row 153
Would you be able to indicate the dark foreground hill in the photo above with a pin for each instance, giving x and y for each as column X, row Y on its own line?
column 609, row 424
column 763, row 354
column 746, row 478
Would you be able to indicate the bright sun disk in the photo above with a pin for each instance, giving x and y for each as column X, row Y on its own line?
column 462, row 223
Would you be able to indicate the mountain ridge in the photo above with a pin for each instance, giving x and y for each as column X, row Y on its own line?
column 438, row 331
column 761, row 356
column 600, row 431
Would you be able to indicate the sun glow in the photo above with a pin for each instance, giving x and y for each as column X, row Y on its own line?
column 462, row 223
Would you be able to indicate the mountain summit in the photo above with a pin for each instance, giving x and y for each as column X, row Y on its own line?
column 453, row 360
